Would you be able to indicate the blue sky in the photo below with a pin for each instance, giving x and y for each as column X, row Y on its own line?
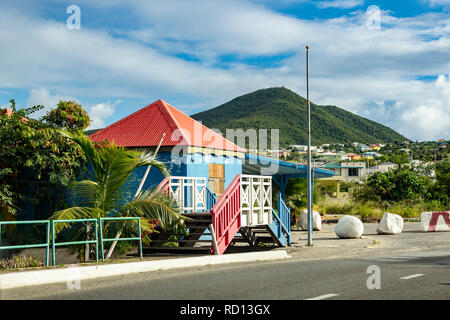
column 388, row 61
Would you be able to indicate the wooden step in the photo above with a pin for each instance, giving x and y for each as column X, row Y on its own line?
column 196, row 214
column 264, row 239
column 258, row 229
column 203, row 221
column 189, row 240
column 204, row 250
column 189, row 234
column 239, row 239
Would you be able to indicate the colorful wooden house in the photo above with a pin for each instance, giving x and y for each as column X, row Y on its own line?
column 225, row 191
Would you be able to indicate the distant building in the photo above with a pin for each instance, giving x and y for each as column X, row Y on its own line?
column 353, row 156
column 348, row 171
column 382, row 167
column 363, row 148
column 300, row 147
column 371, row 155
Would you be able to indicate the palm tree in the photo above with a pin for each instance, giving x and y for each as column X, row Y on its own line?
column 104, row 195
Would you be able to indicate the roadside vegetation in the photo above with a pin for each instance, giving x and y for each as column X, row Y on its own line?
column 403, row 191
column 51, row 170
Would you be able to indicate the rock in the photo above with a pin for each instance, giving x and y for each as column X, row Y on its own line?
column 349, row 227
column 390, row 224
column 435, row 221
column 317, row 220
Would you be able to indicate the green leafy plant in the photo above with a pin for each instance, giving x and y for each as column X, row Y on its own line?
column 19, row 262
column 37, row 162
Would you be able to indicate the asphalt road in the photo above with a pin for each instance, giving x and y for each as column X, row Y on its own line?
column 414, row 275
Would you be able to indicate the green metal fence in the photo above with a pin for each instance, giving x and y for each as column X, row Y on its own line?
column 102, row 240
column 26, row 246
column 68, row 243
column 51, row 228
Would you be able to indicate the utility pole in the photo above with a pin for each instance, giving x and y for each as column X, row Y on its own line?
column 309, row 191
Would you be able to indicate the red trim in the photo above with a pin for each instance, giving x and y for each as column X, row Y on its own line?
column 434, row 219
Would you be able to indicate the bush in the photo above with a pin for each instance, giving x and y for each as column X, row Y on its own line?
column 397, row 185
column 368, row 212
column 19, row 261
column 336, row 208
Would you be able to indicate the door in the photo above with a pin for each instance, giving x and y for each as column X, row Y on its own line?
column 217, row 179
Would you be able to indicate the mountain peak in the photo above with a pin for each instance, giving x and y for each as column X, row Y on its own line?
column 283, row 109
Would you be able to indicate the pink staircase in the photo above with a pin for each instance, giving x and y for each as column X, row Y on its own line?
column 226, row 217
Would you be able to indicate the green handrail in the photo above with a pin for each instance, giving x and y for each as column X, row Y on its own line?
column 139, row 238
column 39, row 245
column 55, row 244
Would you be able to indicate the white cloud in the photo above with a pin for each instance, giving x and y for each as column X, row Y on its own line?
column 100, row 112
column 436, row 3
column 341, row 4
column 370, row 72
column 43, row 97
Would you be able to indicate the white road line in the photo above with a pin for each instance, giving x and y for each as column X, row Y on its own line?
column 412, row 276
column 325, row 296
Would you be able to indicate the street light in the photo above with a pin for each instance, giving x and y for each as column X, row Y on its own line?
column 309, row 191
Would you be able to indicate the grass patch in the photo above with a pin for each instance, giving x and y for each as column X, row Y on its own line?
column 19, row 262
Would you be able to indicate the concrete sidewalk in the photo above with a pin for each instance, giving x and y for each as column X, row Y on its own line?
column 72, row 274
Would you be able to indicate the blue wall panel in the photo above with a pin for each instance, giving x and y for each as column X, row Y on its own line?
column 198, row 166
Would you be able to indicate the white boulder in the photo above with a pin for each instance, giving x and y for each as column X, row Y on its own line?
column 390, row 224
column 349, row 227
column 317, row 220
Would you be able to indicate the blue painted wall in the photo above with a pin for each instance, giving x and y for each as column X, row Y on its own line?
column 198, row 166
column 190, row 165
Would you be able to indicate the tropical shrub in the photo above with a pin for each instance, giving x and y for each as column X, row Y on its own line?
column 396, row 185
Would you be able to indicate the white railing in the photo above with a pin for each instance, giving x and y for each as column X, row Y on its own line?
column 256, row 200
column 189, row 192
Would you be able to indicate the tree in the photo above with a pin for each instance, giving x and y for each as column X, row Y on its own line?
column 37, row 163
column 396, row 185
column 441, row 187
column 104, row 195
column 68, row 115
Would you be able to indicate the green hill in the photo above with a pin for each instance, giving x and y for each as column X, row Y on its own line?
column 280, row 108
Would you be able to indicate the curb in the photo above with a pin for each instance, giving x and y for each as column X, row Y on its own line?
column 72, row 274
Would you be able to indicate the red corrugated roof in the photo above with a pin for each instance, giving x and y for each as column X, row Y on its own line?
column 145, row 127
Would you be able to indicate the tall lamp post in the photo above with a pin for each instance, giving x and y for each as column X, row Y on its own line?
column 309, row 191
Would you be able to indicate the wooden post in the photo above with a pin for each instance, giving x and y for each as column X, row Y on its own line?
column 214, row 240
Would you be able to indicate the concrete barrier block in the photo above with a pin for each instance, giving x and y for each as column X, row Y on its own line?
column 435, row 221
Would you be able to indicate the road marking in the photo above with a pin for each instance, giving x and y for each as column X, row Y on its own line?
column 412, row 276
column 325, row 296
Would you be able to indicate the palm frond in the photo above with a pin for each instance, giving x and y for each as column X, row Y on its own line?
column 84, row 193
column 120, row 165
column 87, row 146
column 157, row 206
column 74, row 213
